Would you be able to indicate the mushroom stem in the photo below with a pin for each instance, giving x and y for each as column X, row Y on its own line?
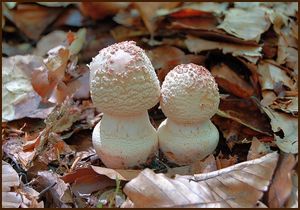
column 132, row 139
column 184, row 143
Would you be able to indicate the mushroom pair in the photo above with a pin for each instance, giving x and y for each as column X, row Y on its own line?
column 124, row 85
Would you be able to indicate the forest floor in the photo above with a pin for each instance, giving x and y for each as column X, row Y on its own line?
column 251, row 49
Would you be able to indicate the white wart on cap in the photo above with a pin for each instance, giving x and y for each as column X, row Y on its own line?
column 123, row 80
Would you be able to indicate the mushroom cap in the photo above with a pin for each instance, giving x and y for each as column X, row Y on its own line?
column 189, row 94
column 123, row 81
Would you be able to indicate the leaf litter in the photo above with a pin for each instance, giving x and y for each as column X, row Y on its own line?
column 252, row 55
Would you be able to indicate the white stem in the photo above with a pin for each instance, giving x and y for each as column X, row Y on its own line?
column 186, row 143
column 123, row 142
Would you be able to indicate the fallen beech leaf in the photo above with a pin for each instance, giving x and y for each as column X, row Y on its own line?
column 195, row 9
column 293, row 199
column 281, row 187
column 121, row 174
column 288, row 105
column 10, row 177
column 100, row 10
column 241, row 185
column 86, row 181
column 165, row 58
column 16, row 49
column 223, row 162
column 246, row 24
column 194, row 23
column 32, row 19
column 271, row 74
column 18, row 96
column 11, row 200
column 231, row 81
column 49, row 41
column 129, row 17
column 288, row 141
column 121, row 33
column 245, row 112
column 258, row 149
column 196, row 45
column 59, row 195
column 148, row 12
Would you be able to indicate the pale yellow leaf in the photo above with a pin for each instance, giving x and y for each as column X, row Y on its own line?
column 289, row 126
column 114, row 173
column 10, row 177
column 240, row 185
column 271, row 74
column 258, row 149
column 197, row 45
column 281, row 186
column 246, row 24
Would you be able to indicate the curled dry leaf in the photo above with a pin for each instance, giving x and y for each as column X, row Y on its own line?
column 49, row 41
column 246, row 24
column 258, row 149
column 287, row 141
column 270, row 75
column 32, row 19
column 196, row 45
column 293, row 199
column 245, row 112
column 121, row 174
column 241, row 185
column 84, row 181
column 165, row 58
column 57, row 196
column 281, row 187
column 10, row 177
column 100, row 10
column 18, row 95
column 148, row 12
column 230, row 81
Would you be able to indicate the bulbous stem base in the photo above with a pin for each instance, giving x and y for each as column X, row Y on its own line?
column 185, row 143
column 124, row 142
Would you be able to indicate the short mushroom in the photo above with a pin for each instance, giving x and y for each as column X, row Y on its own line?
column 124, row 85
column 189, row 98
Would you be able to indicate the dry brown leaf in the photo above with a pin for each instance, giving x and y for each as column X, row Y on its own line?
column 199, row 166
column 281, row 187
column 196, row 45
column 49, row 41
column 245, row 112
column 223, row 162
column 18, row 96
column 270, row 75
column 165, row 58
column 10, row 177
column 121, row 33
column 100, row 10
column 288, row 125
column 11, row 200
column 129, row 17
column 292, row 201
column 258, row 149
column 241, row 185
column 231, row 81
column 195, row 9
column 148, row 10
column 59, row 195
column 288, row 105
column 121, row 174
column 85, row 181
column 246, row 24
column 32, row 19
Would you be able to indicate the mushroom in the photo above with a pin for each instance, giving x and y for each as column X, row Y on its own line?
column 189, row 98
column 124, row 85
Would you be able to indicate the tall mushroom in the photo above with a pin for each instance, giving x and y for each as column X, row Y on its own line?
column 189, row 98
column 124, row 86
